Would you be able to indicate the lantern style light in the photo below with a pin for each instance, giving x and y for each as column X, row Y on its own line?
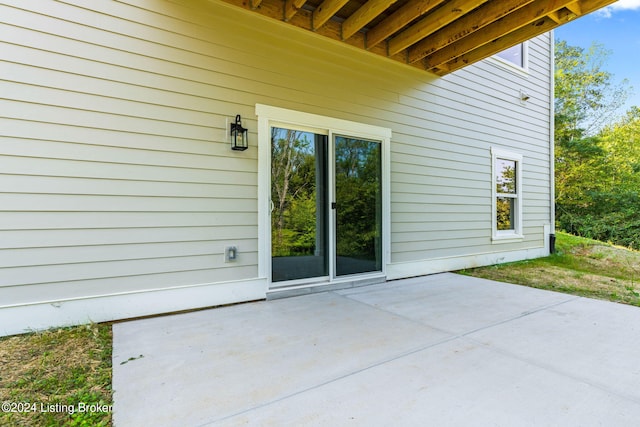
column 239, row 135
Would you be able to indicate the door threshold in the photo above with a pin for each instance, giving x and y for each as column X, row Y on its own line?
column 294, row 291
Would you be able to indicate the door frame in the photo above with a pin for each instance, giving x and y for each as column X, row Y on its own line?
column 268, row 116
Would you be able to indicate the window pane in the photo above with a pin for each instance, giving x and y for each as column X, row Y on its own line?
column 506, row 176
column 505, row 211
column 358, row 172
column 513, row 54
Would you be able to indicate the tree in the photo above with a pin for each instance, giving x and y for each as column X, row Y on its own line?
column 597, row 159
column 586, row 98
column 621, row 141
column 292, row 165
column 619, row 201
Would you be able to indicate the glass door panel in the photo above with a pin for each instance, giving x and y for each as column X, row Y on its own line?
column 299, row 196
column 358, row 208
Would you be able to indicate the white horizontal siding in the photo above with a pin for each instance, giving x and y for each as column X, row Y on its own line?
column 125, row 284
column 53, row 166
column 116, row 170
column 94, row 186
column 114, row 157
column 83, row 203
column 57, row 238
column 97, row 220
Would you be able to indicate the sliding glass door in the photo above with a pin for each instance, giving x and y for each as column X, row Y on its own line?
column 326, row 206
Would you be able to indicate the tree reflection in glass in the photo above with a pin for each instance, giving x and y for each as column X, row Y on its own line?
column 506, row 193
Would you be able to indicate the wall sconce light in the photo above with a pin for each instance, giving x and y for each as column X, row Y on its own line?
column 239, row 135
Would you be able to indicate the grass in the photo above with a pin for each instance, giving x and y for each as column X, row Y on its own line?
column 72, row 366
column 57, row 378
column 580, row 266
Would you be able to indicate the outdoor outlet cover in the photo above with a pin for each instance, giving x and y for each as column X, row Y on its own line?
column 230, row 253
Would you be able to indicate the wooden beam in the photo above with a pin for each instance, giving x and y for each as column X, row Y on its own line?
column 291, row 7
column 555, row 16
column 562, row 16
column 440, row 17
column 407, row 13
column 325, row 11
column 466, row 48
column 588, row 6
column 575, row 8
column 518, row 36
column 518, row 19
column 365, row 14
column 464, row 26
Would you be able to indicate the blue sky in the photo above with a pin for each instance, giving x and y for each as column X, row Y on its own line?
column 617, row 27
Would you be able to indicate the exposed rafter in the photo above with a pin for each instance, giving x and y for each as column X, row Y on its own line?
column 516, row 20
column 444, row 15
column 411, row 10
column 470, row 23
column 325, row 11
column 437, row 35
column 291, row 7
column 367, row 12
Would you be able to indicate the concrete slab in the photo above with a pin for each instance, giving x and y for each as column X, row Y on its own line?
column 453, row 303
column 453, row 384
column 597, row 342
column 189, row 369
column 437, row 350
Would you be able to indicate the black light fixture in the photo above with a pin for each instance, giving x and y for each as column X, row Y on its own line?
column 239, row 135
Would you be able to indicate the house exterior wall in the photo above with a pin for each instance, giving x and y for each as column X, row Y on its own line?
column 119, row 191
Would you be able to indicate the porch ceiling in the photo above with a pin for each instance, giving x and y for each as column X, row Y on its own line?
column 440, row 36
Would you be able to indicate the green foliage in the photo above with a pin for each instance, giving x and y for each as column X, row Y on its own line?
column 63, row 374
column 293, row 192
column 504, row 213
column 299, row 188
column 580, row 266
column 505, row 186
column 618, row 220
column 585, row 96
column 359, row 192
column 597, row 158
column 298, row 233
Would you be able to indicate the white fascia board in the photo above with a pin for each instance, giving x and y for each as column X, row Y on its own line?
column 19, row 319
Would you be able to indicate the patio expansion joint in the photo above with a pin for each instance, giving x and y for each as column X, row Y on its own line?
column 547, row 367
column 556, row 371
column 520, row 316
column 378, row 308
column 472, row 331
column 335, row 379
column 453, row 336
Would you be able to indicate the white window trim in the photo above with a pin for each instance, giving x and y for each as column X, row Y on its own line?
column 524, row 69
column 269, row 116
column 506, row 235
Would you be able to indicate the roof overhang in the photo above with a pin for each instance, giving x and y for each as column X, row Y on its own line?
column 440, row 36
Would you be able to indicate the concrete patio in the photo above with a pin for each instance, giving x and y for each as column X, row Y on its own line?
column 441, row 350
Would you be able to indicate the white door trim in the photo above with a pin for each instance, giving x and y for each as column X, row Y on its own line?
column 268, row 116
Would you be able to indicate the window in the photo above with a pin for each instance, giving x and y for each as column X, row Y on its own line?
column 516, row 55
column 507, row 195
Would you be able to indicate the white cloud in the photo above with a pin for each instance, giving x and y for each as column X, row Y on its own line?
column 608, row 11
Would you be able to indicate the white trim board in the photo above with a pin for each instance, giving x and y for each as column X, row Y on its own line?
column 21, row 319
column 441, row 265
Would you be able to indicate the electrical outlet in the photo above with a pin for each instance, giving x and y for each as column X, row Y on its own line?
column 230, row 254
